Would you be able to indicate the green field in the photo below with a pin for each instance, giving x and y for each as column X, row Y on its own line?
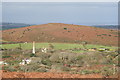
column 56, row 46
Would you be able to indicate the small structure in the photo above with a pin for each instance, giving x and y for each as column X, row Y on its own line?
column 25, row 61
column 25, row 42
column 92, row 49
column 3, row 63
column 103, row 49
column 44, row 50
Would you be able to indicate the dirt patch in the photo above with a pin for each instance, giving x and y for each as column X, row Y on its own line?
column 47, row 75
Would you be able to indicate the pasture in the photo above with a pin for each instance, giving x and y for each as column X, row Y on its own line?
column 56, row 46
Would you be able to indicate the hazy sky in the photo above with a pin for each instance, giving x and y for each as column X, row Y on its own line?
column 84, row 13
column 59, row 0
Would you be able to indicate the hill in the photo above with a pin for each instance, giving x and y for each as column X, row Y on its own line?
column 6, row 25
column 65, row 33
column 114, row 27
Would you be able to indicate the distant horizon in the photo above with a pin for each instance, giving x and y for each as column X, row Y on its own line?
column 58, row 23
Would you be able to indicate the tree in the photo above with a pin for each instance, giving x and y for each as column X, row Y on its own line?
column 84, row 43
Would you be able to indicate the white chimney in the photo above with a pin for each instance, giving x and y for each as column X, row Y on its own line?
column 33, row 51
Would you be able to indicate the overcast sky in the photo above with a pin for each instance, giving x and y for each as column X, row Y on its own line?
column 59, row 0
column 83, row 13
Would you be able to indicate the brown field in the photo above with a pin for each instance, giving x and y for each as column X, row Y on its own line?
column 59, row 32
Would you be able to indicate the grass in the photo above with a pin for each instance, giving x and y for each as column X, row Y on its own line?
column 56, row 46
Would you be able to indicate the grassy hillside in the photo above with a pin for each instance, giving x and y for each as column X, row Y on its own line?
column 64, row 33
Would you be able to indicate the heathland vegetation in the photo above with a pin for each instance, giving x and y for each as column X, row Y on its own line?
column 61, row 48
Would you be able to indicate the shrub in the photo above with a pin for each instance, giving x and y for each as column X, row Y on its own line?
column 80, row 57
column 51, row 46
column 5, row 67
column 41, row 69
column 60, row 68
column 89, row 71
column 98, row 35
column 12, row 51
column 29, row 68
column 32, row 55
column 85, row 72
column 46, row 62
column 44, row 55
column 13, row 62
column 65, row 28
column 54, row 57
column 96, row 71
column 84, row 43
column 35, row 60
column 6, row 56
column 107, row 71
column 104, row 34
column 9, row 68
column 19, row 48
column 66, row 68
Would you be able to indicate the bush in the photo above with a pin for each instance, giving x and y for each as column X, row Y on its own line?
column 80, row 57
column 6, row 56
column 51, row 46
column 65, row 28
column 104, row 34
column 66, row 68
column 9, row 68
column 69, row 31
column 44, row 55
column 96, row 71
column 46, row 62
column 32, row 55
column 107, row 71
column 41, row 70
column 29, row 68
column 54, row 57
column 98, row 35
column 85, row 72
column 12, row 51
column 13, row 62
column 60, row 68
column 89, row 71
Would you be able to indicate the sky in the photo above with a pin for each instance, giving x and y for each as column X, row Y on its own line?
column 82, row 13
column 59, row 0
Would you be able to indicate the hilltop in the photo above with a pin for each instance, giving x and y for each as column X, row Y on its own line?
column 65, row 33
